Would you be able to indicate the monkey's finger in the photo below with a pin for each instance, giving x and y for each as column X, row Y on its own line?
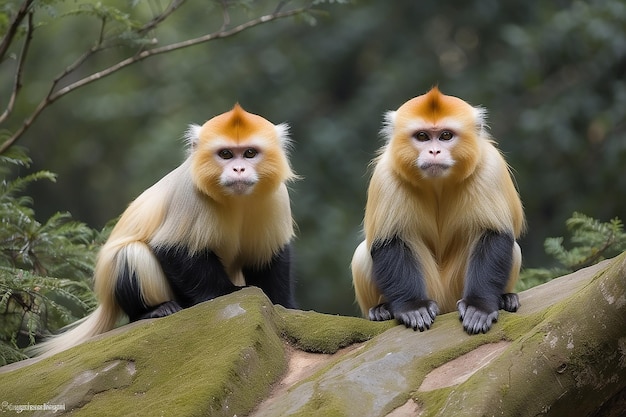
column 462, row 307
column 473, row 320
column 417, row 322
column 491, row 318
column 488, row 321
column 433, row 310
column 426, row 317
column 413, row 320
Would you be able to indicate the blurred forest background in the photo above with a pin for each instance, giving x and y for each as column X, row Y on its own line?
column 551, row 74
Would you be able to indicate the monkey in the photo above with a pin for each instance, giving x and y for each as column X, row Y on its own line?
column 219, row 222
column 442, row 219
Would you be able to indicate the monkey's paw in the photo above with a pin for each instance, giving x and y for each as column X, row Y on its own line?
column 162, row 310
column 474, row 319
column 509, row 302
column 418, row 315
column 380, row 313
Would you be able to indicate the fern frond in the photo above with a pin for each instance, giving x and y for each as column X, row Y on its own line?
column 591, row 241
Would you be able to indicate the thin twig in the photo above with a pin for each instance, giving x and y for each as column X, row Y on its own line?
column 17, row 21
column 225, row 15
column 280, row 5
column 175, row 4
column 99, row 46
column 55, row 95
column 101, row 36
column 594, row 257
column 17, row 84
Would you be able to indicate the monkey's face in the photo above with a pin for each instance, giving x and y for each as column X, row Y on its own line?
column 239, row 169
column 434, row 136
column 434, row 146
column 239, row 153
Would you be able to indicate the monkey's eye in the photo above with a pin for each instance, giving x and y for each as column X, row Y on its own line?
column 250, row 153
column 421, row 136
column 446, row 135
column 225, row 154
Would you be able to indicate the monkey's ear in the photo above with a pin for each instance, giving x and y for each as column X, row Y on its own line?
column 388, row 121
column 480, row 113
column 282, row 131
column 192, row 135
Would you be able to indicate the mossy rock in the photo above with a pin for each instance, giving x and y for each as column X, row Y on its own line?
column 560, row 355
column 219, row 358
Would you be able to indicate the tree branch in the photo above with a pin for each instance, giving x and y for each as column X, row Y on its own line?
column 54, row 95
column 17, row 84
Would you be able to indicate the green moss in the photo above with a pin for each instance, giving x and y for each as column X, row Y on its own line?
column 324, row 404
column 433, row 400
column 514, row 325
column 325, row 333
column 195, row 362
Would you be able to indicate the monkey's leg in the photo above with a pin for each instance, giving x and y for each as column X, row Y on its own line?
column 399, row 277
column 141, row 288
column 488, row 273
column 129, row 295
column 275, row 278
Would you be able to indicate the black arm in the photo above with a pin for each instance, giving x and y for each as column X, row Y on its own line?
column 194, row 278
column 398, row 275
column 274, row 278
column 487, row 276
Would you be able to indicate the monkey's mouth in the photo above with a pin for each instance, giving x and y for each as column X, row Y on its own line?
column 239, row 187
column 431, row 169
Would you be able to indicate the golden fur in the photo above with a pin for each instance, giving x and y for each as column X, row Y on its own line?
column 439, row 218
column 188, row 206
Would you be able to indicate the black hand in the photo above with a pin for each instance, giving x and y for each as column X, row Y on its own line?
column 415, row 314
column 475, row 320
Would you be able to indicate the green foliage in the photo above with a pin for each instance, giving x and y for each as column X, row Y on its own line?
column 591, row 241
column 594, row 242
column 31, row 254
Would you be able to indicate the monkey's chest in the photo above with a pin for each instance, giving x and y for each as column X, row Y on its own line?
column 249, row 250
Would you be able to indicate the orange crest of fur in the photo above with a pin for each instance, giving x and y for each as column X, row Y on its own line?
column 435, row 110
column 238, row 126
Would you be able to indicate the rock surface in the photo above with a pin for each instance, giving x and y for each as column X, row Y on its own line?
column 563, row 352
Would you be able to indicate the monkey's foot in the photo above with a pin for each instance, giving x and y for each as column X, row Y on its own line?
column 162, row 310
column 509, row 302
column 416, row 314
column 380, row 313
column 474, row 319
